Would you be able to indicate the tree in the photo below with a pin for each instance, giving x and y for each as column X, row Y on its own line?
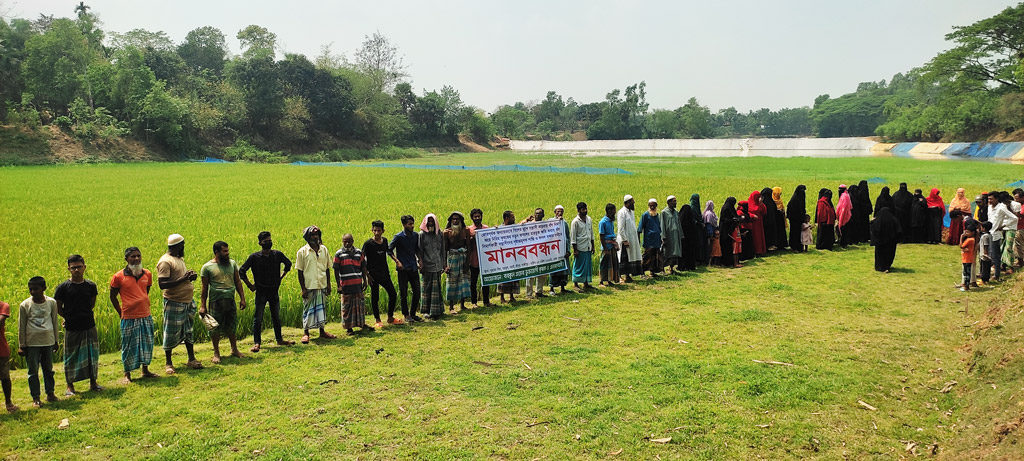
column 695, row 120
column 621, row 118
column 258, row 80
column 511, row 122
column 988, row 51
column 452, row 110
column 379, row 59
column 56, row 63
column 204, row 48
column 142, row 39
column 257, row 41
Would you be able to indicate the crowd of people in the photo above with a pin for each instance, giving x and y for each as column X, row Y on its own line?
column 436, row 264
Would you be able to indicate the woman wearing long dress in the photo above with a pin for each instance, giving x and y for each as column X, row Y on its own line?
column 698, row 220
column 863, row 211
column 796, row 209
column 755, row 212
column 959, row 208
column 691, row 238
column 919, row 218
column 936, row 211
column 884, row 200
column 769, row 218
column 747, row 222
column 711, row 228
column 825, row 218
column 844, row 214
column 780, row 219
column 728, row 230
column 885, row 234
column 904, row 201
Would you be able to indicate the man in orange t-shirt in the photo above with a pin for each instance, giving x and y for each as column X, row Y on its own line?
column 967, row 253
column 133, row 284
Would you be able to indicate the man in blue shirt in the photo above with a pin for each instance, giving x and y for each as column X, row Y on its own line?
column 403, row 247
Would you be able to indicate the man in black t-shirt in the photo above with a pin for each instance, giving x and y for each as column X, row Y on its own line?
column 377, row 252
column 76, row 299
column 267, row 275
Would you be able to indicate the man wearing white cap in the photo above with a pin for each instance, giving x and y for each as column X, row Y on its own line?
column 175, row 282
column 561, row 278
column 671, row 234
column 313, row 266
column 650, row 227
column 630, row 252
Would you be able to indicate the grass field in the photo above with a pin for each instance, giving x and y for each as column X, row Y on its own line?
column 671, row 358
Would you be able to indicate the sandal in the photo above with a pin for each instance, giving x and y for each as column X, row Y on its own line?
column 169, row 370
column 255, row 348
column 305, row 339
column 194, row 364
column 327, row 335
column 286, row 343
column 215, row 360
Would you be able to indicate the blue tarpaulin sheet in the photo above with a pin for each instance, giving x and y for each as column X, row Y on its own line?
column 542, row 169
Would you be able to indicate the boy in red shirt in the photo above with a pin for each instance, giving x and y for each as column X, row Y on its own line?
column 967, row 250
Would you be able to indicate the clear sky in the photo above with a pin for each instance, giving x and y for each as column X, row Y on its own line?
column 744, row 53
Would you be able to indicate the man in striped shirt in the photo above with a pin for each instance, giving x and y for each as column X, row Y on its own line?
column 350, row 275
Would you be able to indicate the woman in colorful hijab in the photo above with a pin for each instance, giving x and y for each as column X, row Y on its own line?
column 702, row 248
column 825, row 218
column 959, row 208
column 936, row 211
column 780, row 219
column 711, row 228
column 844, row 213
column 770, row 230
column 729, row 223
column 755, row 211
column 796, row 209
column 885, row 234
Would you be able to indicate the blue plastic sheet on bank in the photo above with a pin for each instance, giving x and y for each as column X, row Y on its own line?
column 540, row 169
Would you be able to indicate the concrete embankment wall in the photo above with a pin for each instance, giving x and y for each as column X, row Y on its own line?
column 779, row 147
column 743, row 147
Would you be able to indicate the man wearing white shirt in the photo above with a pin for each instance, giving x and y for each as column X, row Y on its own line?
column 631, row 253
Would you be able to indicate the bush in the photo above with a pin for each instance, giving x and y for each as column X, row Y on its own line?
column 63, row 122
column 242, row 151
column 348, row 155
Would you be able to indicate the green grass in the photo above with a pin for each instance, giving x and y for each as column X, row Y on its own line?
column 669, row 358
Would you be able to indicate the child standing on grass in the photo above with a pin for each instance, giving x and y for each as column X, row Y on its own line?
column 967, row 249
column 37, row 338
column 986, row 258
column 806, row 238
column 5, row 357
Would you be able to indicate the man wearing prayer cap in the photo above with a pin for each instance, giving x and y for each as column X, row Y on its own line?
column 313, row 265
column 561, row 278
column 630, row 251
column 671, row 234
column 175, row 281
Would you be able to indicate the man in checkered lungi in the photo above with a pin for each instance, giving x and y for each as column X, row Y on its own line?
column 175, row 282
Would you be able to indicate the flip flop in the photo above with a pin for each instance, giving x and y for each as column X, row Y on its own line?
column 305, row 339
column 255, row 348
column 328, row 335
column 169, row 370
column 194, row 365
column 286, row 343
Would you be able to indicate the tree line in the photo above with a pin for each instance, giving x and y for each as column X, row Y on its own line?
column 971, row 92
column 195, row 98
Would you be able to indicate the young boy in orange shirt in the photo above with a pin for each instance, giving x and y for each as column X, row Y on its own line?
column 967, row 249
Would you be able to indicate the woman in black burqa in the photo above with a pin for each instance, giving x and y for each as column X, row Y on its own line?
column 862, row 211
column 728, row 224
column 919, row 217
column 770, row 229
column 796, row 209
column 691, row 238
column 884, row 200
column 903, row 201
column 885, row 234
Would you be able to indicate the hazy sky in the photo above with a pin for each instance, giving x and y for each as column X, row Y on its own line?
column 743, row 53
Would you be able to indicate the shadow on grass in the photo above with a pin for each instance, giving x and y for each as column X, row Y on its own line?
column 901, row 270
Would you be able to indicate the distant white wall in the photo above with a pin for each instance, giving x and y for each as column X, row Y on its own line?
column 745, row 147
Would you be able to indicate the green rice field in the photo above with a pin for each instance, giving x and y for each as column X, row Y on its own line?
column 662, row 368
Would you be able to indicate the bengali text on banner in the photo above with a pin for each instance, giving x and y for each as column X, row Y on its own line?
column 520, row 251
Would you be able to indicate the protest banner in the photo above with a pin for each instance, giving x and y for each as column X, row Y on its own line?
column 520, row 251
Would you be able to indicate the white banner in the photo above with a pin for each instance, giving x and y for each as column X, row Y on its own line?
column 521, row 251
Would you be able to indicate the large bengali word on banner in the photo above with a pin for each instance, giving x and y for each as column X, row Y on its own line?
column 520, row 251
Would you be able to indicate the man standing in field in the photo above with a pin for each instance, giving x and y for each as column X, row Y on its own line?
column 37, row 338
column 477, row 216
column 378, row 274
column 671, row 234
column 535, row 285
column 456, row 241
column 220, row 283
column 628, row 239
column 581, row 237
column 313, row 265
column 561, row 278
column 175, row 282
column 350, row 275
column 132, row 285
column 76, row 298
column 267, row 276
column 5, row 357
column 432, row 263
column 650, row 227
column 508, row 218
column 405, row 245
